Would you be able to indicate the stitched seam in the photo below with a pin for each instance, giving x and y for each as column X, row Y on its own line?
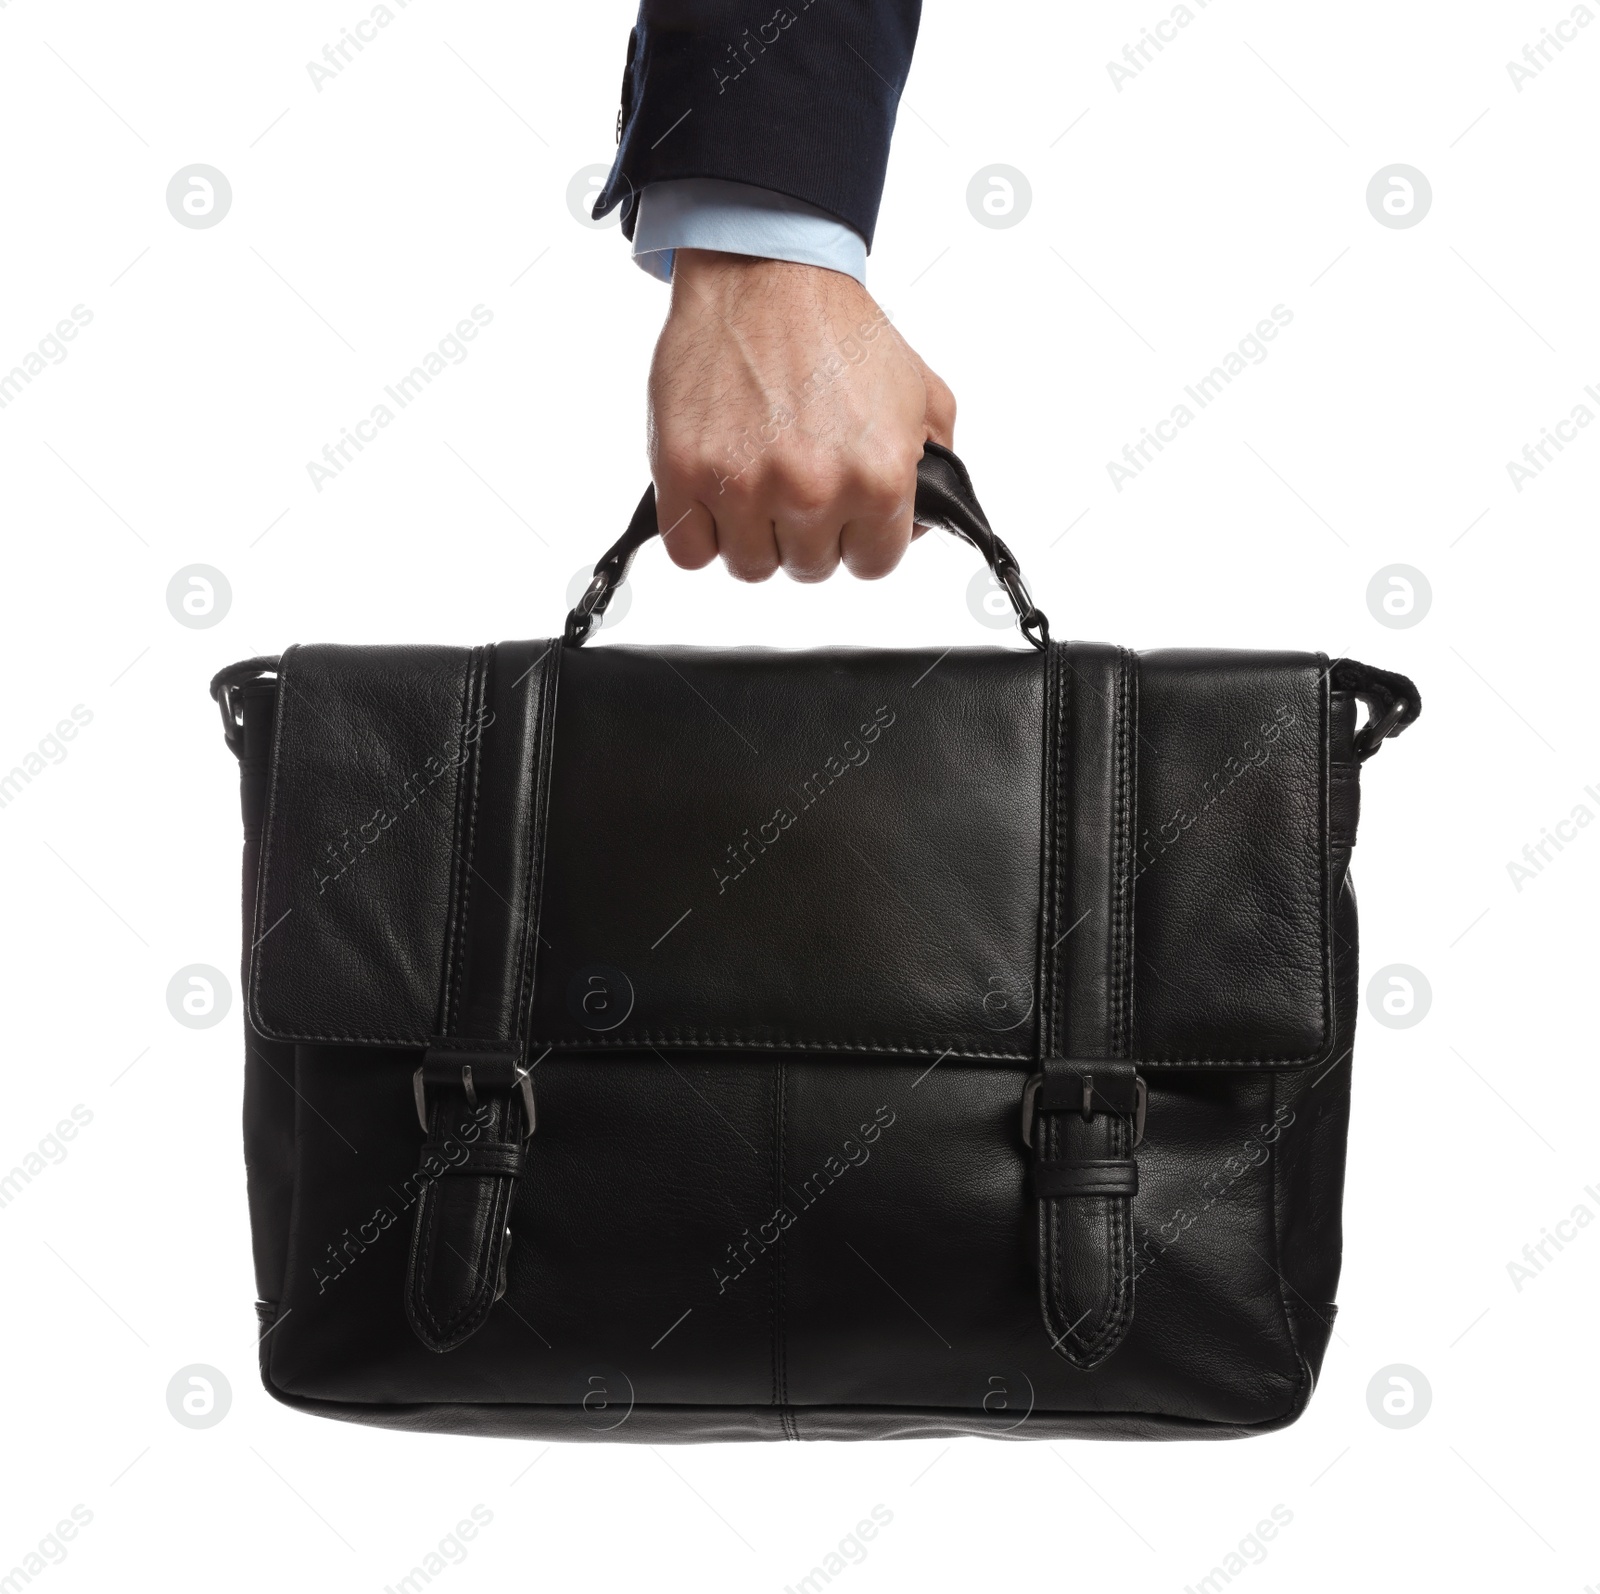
column 423, row 1263
column 524, row 994
column 1321, row 1055
column 1053, row 847
column 1119, row 859
column 1325, row 911
column 1085, row 1339
column 1114, row 849
column 446, row 1001
column 1085, row 1348
column 640, row 1043
column 1129, row 873
column 1058, row 1283
column 467, row 871
column 461, row 852
column 280, row 719
column 781, row 1166
column 1303, row 1369
column 480, row 1297
column 1116, row 1321
column 487, row 1274
column 1042, row 955
column 1065, row 708
column 780, row 1081
column 772, row 1299
column 635, row 1039
column 426, row 1252
column 443, row 1003
column 1104, row 1337
column 1327, row 772
column 1055, row 1319
column 544, row 739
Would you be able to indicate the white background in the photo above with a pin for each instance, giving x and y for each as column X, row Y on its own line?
column 430, row 176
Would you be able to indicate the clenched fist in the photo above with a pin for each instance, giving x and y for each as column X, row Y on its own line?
column 786, row 421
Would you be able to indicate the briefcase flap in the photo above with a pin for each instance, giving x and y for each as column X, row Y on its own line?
column 836, row 852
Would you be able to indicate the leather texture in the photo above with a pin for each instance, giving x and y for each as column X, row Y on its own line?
column 675, row 1044
column 830, row 851
column 834, row 851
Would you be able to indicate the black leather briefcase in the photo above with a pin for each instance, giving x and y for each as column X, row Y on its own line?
column 678, row 1043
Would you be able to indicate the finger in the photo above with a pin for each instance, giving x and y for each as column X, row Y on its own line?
column 687, row 529
column 869, row 549
column 808, row 546
column 878, row 531
column 938, row 419
column 747, row 542
column 808, row 509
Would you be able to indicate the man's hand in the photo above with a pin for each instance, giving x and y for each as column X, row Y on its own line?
column 786, row 421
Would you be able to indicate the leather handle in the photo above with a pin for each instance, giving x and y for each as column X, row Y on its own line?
column 944, row 499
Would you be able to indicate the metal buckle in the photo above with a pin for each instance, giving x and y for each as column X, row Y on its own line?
column 524, row 1083
column 1031, row 1090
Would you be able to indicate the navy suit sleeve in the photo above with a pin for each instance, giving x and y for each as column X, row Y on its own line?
column 799, row 98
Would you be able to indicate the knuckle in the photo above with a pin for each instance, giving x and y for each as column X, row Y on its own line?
column 885, row 488
column 884, row 495
column 677, row 460
column 741, row 487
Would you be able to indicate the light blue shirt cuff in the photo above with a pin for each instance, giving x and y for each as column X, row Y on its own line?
column 740, row 219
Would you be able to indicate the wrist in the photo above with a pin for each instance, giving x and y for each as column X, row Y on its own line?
column 711, row 273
